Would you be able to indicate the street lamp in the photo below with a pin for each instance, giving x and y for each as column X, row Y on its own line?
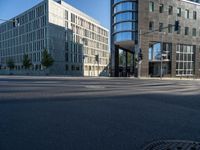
column 83, row 55
column 140, row 55
column 162, row 55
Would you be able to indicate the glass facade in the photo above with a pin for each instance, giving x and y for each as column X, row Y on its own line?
column 124, row 36
column 155, row 51
column 117, row 1
column 125, row 6
column 125, row 26
column 125, row 18
column 185, row 60
column 28, row 37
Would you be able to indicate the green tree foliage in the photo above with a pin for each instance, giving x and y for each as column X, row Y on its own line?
column 26, row 62
column 10, row 64
column 47, row 59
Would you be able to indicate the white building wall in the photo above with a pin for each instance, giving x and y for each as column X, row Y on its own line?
column 52, row 30
column 90, row 66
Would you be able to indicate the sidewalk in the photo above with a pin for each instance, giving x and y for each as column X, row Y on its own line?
column 167, row 78
column 86, row 77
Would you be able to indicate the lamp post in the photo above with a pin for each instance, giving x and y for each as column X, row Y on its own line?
column 161, row 60
column 83, row 55
column 139, row 54
column 161, row 68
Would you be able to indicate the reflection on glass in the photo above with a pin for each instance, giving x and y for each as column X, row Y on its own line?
column 126, row 6
column 125, row 26
column 124, row 20
column 124, row 36
column 125, row 16
column 116, row 1
column 155, row 52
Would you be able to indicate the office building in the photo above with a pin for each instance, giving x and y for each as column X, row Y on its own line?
column 148, row 26
column 77, row 42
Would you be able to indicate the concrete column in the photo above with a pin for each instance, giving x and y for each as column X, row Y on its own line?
column 116, row 71
column 145, row 52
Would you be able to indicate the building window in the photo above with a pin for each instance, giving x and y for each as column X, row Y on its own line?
column 186, row 30
column 185, row 60
column 73, row 18
column 161, row 8
column 77, row 68
column 179, row 12
column 160, row 27
column 66, row 24
column 170, row 27
column 66, row 14
column 170, row 10
column 72, row 67
column 187, row 14
column 179, row 31
column 194, row 15
column 199, row 32
column 194, row 32
column 151, row 6
column 66, row 67
column 155, row 51
column 66, row 57
column 151, row 25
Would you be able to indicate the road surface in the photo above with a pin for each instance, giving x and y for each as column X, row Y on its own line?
column 59, row 113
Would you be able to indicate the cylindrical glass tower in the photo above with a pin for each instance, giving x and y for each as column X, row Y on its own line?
column 124, row 30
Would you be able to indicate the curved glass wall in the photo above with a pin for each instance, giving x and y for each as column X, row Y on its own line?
column 125, row 26
column 117, row 1
column 125, row 36
column 125, row 6
column 125, row 18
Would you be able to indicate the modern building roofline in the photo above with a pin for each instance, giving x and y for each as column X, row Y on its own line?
column 191, row 2
column 23, row 12
column 81, row 13
column 62, row 3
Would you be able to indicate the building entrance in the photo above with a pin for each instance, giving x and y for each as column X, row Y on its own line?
column 126, row 60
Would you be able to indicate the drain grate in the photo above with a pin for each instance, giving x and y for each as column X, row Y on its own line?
column 173, row 145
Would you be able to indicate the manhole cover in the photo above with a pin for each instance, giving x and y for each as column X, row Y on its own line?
column 173, row 145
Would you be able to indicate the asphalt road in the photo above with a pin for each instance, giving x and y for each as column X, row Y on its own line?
column 57, row 113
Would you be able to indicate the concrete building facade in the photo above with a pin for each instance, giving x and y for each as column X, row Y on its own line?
column 77, row 42
column 148, row 25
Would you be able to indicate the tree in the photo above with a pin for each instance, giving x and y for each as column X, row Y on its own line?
column 26, row 62
column 10, row 64
column 47, row 59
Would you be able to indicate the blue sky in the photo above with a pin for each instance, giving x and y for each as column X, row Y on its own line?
column 98, row 9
